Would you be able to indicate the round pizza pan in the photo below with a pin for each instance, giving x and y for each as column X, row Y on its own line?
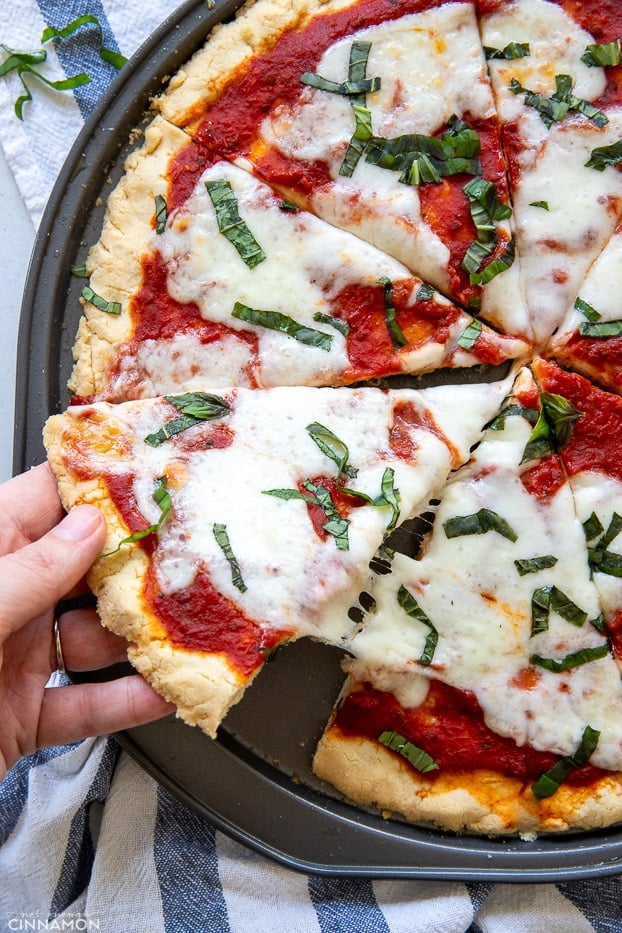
column 255, row 781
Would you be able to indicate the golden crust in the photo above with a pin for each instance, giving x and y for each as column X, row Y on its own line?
column 202, row 687
column 114, row 262
column 256, row 28
column 479, row 801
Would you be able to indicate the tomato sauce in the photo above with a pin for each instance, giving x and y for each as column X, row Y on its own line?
column 602, row 356
column 544, row 478
column 449, row 726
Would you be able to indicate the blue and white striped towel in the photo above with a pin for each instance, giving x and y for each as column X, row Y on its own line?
column 88, row 841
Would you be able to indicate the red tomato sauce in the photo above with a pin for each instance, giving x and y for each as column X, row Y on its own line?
column 601, row 355
column 544, row 478
column 449, row 726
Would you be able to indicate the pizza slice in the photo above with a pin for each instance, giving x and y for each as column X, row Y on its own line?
column 483, row 693
column 238, row 286
column 557, row 81
column 242, row 519
column 594, row 468
column 379, row 118
column 589, row 339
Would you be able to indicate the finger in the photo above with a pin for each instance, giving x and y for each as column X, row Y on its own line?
column 34, row 578
column 29, row 506
column 87, row 645
column 69, row 714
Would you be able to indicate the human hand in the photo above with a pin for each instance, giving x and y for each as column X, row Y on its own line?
column 44, row 557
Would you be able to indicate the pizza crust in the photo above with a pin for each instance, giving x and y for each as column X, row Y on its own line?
column 479, row 801
column 114, row 262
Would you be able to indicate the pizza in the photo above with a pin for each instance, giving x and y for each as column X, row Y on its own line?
column 348, row 369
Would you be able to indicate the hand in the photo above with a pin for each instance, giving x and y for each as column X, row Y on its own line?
column 44, row 557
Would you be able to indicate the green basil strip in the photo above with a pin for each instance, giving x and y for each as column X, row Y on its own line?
column 602, row 55
column 289, row 206
column 576, row 659
column 496, row 267
column 194, row 407
column 160, row 213
column 108, row 55
column 485, row 209
column 470, row 335
column 479, row 523
column 599, row 624
column 396, row 334
column 80, row 271
column 274, row 320
column 231, row 225
column 603, row 156
column 412, row 608
column 333, row 447
column 592, row 527
column 358, row 142
column 162, row 498
column 345, row 88
column 110, row 307
column 390, row 496
column 498, row 422
column 550, row 781
column 543, row 204
column 335, row 525
column 554, row 427
column 426, row 159
column 222, row 540
column 425, row 292
column 553, row 109
column 614, row 529
column 534, row 564
column 412, row 753
column 600, row 329
column 341, row 326
column 22, row 63
column 587, row 310
column 288, row 494
column 511, row 51
column 550, row 598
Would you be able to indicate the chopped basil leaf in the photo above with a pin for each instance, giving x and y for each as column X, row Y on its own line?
column 496, row 267
column 576, row 659
column 601, row 559
column 470, row 335
column 287, row 494
column 511, row 51
column 498, row 422
column 80, row 271
column 222, row 539
column 603, row 55
column 550, row 598
column 389, row 495
column 162, row 498
column 345, row 88
column 231, row 225
column 341, row 326
column 587, row 310
column 108, row 55
column 600, row 329
column 194, row 408
column 599, row 624
column 358, row 142
column 286, row 205
column 160, row 214
column 550, row 781
column 553, row 109
column 395, row 332
column 415, row 755
column 614, row 529
column 554, row 427
column 274, row 320
column 425, row 292
column 412, row 608
column 479, row 523
column 110, row 307
column 603, row 156
column 592, row 527
column 21, row 62
column 543, row 204
column 320, row 496
column 333, row 447
column 534, row 564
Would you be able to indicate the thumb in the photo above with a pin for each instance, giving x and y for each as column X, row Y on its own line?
column 34, row 578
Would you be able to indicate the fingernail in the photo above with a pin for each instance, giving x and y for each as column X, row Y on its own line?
column 79, row 524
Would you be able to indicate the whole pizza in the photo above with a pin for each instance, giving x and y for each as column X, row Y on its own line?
column 349, row 368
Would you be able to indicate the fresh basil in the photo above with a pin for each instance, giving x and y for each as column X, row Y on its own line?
column 108, row 55
column 412, row 608
column 344, row 88
column 555, row 108
column 231, row 225
column 550, row 781
column 194, row 407
column 534, row 564
column 549, row 598
column 274, row 320
column 470, row 335
column 600, row 329
column 318, row 495
column 412, row 753
column 600, row 558
column 110, row 307
column 396, row 334
column 603, row 156
column 22, row 62
column 510, row 52
column 496, row 267
column 587, row 310
column 333, row 447
column 80, row 270
column 554, row 427
column 162, row 499
column 543, row 204
column 498, row 422
column 575, row 659
column 479, row 523
column 160, row 214
column 425, row 292
column 337, row 323
column 602, row 55
column 222, row 540
column 389, row 495
column 357, row 71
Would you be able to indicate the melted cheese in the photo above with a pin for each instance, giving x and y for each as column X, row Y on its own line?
column 471, row 591
column 295, row 579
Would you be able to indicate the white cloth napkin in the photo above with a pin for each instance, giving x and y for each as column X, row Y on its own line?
column 88, row 841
